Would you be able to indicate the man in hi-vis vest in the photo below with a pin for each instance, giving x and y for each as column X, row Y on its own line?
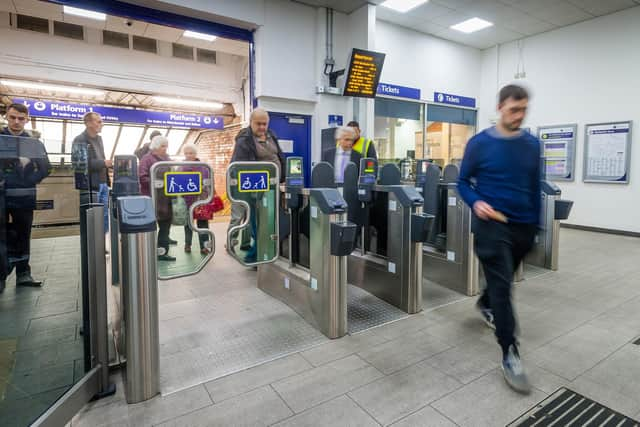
column 362, row 145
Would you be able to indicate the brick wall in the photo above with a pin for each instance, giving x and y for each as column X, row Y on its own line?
column 216, row 148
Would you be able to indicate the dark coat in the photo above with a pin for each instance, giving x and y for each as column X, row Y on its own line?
column 163, row 203
column 20, row 181
column 189, row 200
column 95, row 159
column 245, row 149
column 330, row 156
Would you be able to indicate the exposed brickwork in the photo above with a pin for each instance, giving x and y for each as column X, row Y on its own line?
column 216, row 148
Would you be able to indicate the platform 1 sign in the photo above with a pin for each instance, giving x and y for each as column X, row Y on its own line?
column 253, row 181
column 182, row 183
column 64, row 110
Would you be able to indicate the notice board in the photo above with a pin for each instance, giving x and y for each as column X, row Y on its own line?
column 607, row 152
column 364, row 72
column 559, row 151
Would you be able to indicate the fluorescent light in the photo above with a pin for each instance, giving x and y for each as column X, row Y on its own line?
column 52, row 88
column 199, row 36
column 188, row 102
column 472, row 25
column 402, row 6
column 85, row 13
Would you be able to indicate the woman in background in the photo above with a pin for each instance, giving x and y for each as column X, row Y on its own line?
column 190, row 152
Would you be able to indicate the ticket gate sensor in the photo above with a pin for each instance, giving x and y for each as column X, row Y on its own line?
column 553, row 209
column 315, row 284
column 449, row 258
column 140, row 323
column 125, row 183
column 389, row 264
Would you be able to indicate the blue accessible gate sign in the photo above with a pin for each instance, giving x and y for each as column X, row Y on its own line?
column 253, row 181
column 182, row 183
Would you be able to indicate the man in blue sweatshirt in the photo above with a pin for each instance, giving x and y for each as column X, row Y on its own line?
column 500, row 180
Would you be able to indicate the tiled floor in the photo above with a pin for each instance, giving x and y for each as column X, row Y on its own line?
column 437, row 368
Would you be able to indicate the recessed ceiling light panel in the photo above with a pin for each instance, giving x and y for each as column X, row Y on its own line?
column 402, row 6
column 471, row 25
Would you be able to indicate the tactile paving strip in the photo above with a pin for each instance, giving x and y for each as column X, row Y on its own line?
column 365, row 311
column 568, row 408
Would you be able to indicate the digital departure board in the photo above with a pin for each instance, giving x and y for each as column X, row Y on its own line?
column 365, row 68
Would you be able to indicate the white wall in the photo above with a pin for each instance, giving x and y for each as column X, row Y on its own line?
column 581, row 74
column 431, row 64
column 30, row 55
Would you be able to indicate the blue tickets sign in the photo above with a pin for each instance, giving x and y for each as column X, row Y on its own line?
column 64, row 110
column 182, row 183
column 447, row 98
column 399, row 91
column 253, row 181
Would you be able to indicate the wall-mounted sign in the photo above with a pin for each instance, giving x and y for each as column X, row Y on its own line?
column 447, row 98
column 363, row 75
column 335, row 120
column 607, row 152
column 253, row 181
column 399, row 91
column 182, row 183
column 558, row 150
column 64, row 110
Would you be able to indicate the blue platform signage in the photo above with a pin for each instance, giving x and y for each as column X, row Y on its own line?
column 64, row 110
column 182, row 183
column 446, row 98
column 335, row 120
column 253, row 181
column 398, row 91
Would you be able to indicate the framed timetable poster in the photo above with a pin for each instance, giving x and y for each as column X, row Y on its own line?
column 559, row 151
column 607, row 152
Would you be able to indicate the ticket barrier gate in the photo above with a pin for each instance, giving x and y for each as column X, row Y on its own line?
column 449, row 258
column 553, row 209
column 389, row 263
column 311, row 279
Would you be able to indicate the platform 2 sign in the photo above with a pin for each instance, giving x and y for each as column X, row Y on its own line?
column 253, row 181
column 182, row 183
column 364, row 72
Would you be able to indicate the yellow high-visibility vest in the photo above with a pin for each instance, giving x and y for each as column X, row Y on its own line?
column 361, row 146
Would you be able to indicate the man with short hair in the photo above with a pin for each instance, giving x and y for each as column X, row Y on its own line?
column 142, row 151
column 97, row 164
column 363, row 146
column 343, row 153
column 256, row 143
column 500, row 180
column 19, row 173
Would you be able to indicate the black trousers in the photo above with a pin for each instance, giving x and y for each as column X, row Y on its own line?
column 500, row 248
column 17, row 223
column 188, row 233
column 164, row 227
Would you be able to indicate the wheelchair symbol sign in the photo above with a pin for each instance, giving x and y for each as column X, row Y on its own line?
column 182, row 183
column 253, row 181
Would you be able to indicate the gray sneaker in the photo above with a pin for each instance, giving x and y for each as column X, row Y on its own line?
column 514, row 373
column 25, row 279
column 487, row 315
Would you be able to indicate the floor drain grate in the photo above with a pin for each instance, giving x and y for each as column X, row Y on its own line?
column 568, row 408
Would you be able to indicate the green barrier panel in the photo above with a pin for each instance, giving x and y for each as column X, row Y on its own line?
column 253, row 234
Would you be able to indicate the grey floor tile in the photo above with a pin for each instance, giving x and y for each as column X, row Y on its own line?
column 47, row 338
column 606, row 394
column 395, row 396
column 252, row 378
column 620, row 372
column 399, row 353
column 342, row 347
column 261, row 407
column 425, row 417
column 28, row 383
column 487, row 401
column 341, row 411
column 326, row 382
column 468, row 361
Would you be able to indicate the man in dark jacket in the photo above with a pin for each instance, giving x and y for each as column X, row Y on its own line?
column 142, row 151
column 22, row 167
column 342, row 153
column 255, row 143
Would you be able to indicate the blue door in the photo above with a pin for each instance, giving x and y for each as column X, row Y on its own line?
column 294, row 133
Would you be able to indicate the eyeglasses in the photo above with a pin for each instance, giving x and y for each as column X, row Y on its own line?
column 17, row 118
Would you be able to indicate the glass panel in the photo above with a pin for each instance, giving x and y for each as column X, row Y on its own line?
column 176, row 138
column 180, row 187
column 42, row 353
column 398, row 131
column 129, row 138
column 253, row 186
column 446, row 142
column 51, row 135
column 73, row 129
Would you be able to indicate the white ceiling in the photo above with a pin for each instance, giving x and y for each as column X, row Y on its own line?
column 512, row 19
column 53, row 11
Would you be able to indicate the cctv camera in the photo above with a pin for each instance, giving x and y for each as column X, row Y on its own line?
column 128, row 23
